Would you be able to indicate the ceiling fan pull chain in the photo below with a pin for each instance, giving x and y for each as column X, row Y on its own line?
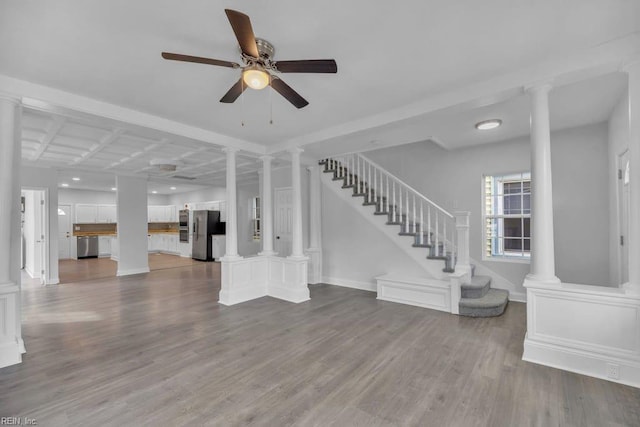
column 242, row 102
column 270, row 101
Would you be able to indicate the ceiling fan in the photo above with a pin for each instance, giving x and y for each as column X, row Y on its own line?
column 259, row 66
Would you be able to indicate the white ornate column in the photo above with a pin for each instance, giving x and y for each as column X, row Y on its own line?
column 315, row 226
column 633, row 71
column 296, row 247
column 542, row 246
column 232, row 209
column 11, row 344
column 266, row 210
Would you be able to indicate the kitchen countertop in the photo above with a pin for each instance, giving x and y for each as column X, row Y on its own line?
column 109, row 233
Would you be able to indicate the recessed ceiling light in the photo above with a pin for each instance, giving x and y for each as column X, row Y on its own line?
column 154, row 192
column 488, row 124
column 113, row 188
column 64, row 184
column 173, row 188
column 75, row 178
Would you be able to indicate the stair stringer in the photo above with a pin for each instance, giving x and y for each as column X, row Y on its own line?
column 433, row 268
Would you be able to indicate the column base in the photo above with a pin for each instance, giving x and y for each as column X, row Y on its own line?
column 231, row 258
column 11, row 344
column 315, row 265
column 540, row 279
column 268, row 253
column 298, row 258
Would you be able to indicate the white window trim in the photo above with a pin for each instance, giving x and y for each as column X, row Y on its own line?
column 496, row 258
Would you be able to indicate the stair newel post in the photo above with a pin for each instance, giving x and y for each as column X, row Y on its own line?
column 462, row 243
column 444, row 236
column 421, row 237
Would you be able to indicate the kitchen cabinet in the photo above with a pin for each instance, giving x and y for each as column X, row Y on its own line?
column 165, row 243
column 218, row 247
column 104, row 246
column 107, row 213
column 86, row 214
column 162, row 213
column 114, row 248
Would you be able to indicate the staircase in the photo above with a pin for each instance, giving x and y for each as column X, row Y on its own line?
column 429, row 226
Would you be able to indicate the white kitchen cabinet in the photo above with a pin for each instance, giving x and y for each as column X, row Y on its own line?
column 86, row 214
column 104, row 246
column 218, row 246
column 107, row 213
column 171, row 243
column 155, row 213
column 114, row 248
column 171, row 213
column 223, row 211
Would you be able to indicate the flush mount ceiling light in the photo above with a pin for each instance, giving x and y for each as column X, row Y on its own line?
column 154, row 192
column 113, row 188
column 488, row 124
column 75, row 178
column 64, row 185
column 172, row 188
column 255, row 77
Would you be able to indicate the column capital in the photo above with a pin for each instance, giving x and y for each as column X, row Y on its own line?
column 230, row 150
column 311, row 168
column 266, row 158
column 295, row 150
column 11, row 98
column 539, row 86
column 629, row 64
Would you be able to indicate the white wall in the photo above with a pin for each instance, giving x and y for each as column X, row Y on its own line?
column 453, row 179
column 353, row 252
column 47, row 179
column 132, row 226
column 246, row 245
column 69, row 196
column 30, row 228
column 618, row 143
column 205, row 195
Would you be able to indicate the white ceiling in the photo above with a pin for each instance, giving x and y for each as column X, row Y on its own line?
column 391, row 57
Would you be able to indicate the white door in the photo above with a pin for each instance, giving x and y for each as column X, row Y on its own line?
column 283, row 221
column 42, row 216
column 624, row 209
column 64, row 231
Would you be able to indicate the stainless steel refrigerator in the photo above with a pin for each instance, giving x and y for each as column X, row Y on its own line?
column 205, row 224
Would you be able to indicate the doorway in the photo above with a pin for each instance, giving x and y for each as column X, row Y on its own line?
column 283, row 221
column 64, row 232
column 624, row 211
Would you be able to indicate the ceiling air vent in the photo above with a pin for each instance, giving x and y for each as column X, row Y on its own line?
column 183, row 177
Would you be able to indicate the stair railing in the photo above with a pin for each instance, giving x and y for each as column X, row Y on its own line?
column 416, row 214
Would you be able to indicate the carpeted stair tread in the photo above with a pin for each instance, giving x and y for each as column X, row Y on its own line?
column 492, row 304
column 478, row 287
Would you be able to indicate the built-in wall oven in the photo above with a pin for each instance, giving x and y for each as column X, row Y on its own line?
column 183, row 224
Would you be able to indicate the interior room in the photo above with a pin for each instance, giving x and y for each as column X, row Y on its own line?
column 259, row 214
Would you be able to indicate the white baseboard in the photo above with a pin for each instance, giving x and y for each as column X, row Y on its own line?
column 518, row 296
column 287, row 294
column 53, row 281
column 10, row 353
column 581, row 362
column 348, row 283
column 244, row 294
column 132, row 271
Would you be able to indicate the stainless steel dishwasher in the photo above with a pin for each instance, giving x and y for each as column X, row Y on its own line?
column 87, row 246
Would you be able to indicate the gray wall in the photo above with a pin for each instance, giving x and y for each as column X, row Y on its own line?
column 453, row 179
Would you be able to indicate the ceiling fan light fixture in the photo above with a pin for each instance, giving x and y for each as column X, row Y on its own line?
column 255, row 78
column 488, row 124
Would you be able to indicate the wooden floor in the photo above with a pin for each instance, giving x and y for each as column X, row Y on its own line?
column 158, row 350
column 71, row 270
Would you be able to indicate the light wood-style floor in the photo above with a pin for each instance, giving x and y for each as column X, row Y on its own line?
column 158, row 350
column 71, row 270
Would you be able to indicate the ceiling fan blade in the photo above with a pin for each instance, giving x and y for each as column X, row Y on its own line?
column 199, row 60
column 308, row 66
column 233, row 93
column 285, row 90
column 241, row 25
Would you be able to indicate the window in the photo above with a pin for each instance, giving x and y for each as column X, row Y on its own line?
column 255, row 218
column 507, row 216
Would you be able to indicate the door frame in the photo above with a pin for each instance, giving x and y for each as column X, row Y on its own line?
column 622, row 275
column 46, row 245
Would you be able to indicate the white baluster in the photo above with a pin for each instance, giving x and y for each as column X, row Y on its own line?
column 393, row 214
column 429, row 224
column 351, row 172
column 436, row 234
column 413, row 227
column 406, row 223
column 421, row 238
column 400, row 204
column 444, row 237
column 388, row 201
column 373, row 190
